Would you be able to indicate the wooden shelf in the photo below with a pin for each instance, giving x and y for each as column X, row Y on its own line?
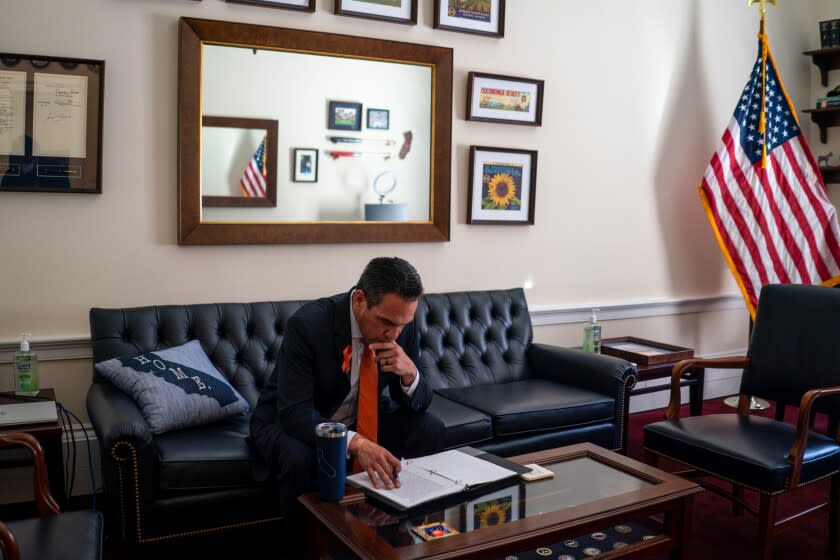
column 825, row 60
column 824, row 118
column 830, row 174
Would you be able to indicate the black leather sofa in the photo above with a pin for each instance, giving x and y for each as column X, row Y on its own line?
column 498, row 391
column 494, row 390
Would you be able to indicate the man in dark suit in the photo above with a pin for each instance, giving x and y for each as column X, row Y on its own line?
column 317, row 380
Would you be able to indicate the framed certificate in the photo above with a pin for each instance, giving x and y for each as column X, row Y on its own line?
column 50, row 123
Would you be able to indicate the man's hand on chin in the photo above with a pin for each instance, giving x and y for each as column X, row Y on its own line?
column 392, row 358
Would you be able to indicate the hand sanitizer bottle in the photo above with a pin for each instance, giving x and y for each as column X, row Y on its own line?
column 26, row 370
column 592, row 335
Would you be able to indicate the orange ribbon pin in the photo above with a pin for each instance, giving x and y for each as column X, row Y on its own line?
column 348, row 355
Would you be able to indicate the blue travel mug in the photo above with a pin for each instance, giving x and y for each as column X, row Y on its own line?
column 331, row 449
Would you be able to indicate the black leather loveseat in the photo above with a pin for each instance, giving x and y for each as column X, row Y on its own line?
column 495, row 390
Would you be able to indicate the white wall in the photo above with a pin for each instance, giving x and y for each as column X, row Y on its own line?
column 637, row 96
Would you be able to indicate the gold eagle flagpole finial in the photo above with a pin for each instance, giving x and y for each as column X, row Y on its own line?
column 762, row 5
column 762, row 124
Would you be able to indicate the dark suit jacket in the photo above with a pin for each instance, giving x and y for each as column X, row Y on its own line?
column 308, row 386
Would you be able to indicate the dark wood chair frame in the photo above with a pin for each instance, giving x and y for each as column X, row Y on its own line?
column 44, row 501
column 766, row 511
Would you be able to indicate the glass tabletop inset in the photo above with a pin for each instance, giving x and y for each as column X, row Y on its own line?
column 577, row 480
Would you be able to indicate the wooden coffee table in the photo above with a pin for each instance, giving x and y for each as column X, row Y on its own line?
column 593, row 490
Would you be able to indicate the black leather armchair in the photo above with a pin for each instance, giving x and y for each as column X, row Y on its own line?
column 200, row 479
column 498, row 391
column 53, row 535
column 793, row 359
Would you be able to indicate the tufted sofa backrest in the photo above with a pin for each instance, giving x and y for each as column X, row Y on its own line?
column 474, row 338
column 242, row 339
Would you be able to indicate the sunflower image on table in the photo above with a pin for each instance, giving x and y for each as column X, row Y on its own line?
column 501, row 186
column 492, row 512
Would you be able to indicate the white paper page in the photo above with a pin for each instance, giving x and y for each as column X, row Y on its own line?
column 461, row 467
column 415, row 487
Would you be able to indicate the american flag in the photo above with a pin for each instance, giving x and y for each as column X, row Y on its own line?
column 764, row 195
column 253, row 178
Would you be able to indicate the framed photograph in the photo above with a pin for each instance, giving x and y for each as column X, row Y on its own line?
column 395, row 11
column 502, row 186
column 644, row 352
column 305, row 166
column 50, row 123
column 484, row 17
column 504, row 99
column 240, row 169
column 300, row 5
column 344, row 115
column 377, row 119
column 492, row 509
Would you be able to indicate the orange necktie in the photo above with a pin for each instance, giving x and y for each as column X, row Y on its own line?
column 367, row 412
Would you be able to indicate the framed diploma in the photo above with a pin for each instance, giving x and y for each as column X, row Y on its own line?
column 50, row 123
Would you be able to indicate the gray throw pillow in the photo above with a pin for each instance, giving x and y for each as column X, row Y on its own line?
column 175, row 388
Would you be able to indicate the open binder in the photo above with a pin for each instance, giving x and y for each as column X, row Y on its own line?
column 435, row 476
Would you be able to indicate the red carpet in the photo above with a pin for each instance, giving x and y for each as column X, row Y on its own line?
column 719, row 535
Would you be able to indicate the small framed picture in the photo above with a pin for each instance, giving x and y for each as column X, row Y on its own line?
column 497, row 508
column 504, row 99
column 484, row 17
column 502, row 186
column 305, row 165
column 301, row 5
column 377, row 119
column 395, row 11
column 344, row 115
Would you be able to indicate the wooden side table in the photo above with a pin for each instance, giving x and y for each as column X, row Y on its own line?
column 48, row 435
column 661, row 368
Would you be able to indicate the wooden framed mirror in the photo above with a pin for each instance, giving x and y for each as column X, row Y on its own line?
column 318, row 87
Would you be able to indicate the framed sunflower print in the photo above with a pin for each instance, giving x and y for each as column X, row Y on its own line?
column 502, row 186
column 497, row 508
column 483, row 17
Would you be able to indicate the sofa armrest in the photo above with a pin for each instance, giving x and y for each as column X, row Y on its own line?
column 599, row 373
column 115, row 417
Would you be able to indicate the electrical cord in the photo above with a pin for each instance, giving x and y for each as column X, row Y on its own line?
column 65, row 428
column 89, row 452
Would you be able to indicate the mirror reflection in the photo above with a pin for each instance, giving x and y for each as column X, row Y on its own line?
column 365, row 117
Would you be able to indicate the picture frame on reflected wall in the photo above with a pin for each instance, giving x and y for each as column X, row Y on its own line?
column 482, row 17
column 502, row 186
column 378, row 119
column 305, row 165
column 344, row 115
column 51, row 124
column 299, row 5
column 504, row 99
column 394, row 11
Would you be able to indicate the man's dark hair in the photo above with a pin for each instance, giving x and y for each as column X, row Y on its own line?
column 389, row 275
